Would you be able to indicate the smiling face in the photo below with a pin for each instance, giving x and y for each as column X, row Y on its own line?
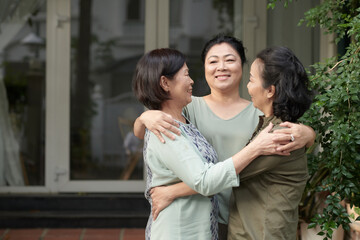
column 261, row 97
column 223, row 70
column 180, row 87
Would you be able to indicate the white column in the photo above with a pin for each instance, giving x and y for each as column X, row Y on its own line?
column 57, row 133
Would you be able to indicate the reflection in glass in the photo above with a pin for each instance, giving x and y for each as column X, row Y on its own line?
column 192, row 24
column 22, row 92
column 107, row 41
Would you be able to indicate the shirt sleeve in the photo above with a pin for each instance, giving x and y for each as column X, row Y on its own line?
column 181, row 157
column 260, row 165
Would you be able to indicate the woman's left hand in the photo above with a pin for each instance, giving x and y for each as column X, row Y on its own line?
column 299, row 136
column 160, row 199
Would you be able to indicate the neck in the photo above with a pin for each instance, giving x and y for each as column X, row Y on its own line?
column 174, row 110
column 224, row 97
column 268, row 110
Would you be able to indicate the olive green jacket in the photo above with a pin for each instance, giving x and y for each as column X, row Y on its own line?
column 265, row 205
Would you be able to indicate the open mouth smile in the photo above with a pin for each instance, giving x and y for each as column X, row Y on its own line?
column 222, row 77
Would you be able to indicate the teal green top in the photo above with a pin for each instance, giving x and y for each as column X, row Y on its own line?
column 190, row 159
column 226, row 136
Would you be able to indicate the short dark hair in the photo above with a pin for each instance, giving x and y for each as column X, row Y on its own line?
column 284, row 70
column 149, row 69
column 221, row 38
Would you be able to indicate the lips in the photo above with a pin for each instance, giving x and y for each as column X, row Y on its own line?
column 222, row 77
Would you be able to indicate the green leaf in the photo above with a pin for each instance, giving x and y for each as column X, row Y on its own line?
column 312, row 225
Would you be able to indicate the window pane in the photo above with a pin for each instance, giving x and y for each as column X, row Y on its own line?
column 22, row 92
column 105, row 50
column 192, row 24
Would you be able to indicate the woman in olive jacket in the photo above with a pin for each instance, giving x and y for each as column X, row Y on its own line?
column 265, row 205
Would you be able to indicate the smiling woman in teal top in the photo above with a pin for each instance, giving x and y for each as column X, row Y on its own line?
column 162, row 82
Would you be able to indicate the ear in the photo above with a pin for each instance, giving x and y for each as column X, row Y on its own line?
column 164, row 83
column 271, row 92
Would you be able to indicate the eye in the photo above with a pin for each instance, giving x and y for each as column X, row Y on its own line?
column 230, row 60
column 212, row 60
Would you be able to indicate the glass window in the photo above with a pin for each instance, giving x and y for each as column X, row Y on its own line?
column 133, row 10
column 105, row 50
column 22, row 92
column 192, row 24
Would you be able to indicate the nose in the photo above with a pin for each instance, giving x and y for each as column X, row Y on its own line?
column 191, row 82
column 222, row 65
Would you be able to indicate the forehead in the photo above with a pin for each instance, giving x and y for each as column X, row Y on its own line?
column 221, row 49
column 184, row 67
column 256, row 68
column 257, row 65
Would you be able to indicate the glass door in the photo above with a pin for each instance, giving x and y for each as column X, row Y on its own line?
column 107, row 40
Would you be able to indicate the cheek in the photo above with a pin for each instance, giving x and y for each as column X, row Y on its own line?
column 209, row 69
column 250, row 88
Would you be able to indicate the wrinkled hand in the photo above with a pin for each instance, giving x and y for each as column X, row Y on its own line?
column 303, row 135
column 265, row 143
column 160, row 200
column 159, row 123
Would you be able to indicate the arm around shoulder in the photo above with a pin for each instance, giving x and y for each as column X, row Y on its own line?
column 139, row 128
column 180, row 157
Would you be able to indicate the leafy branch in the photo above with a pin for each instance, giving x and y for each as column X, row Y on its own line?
column 334, row 168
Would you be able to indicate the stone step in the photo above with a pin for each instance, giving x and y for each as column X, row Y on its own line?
column 73, row 211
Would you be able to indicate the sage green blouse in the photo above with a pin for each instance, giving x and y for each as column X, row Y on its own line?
column 226, row 136
column 190, row 159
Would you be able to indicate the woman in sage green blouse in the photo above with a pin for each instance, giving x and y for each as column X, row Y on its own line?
column 162, row 82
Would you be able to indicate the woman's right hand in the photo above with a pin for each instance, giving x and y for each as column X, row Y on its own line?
column 265, row 143
column 159, row 123
column 161, row 198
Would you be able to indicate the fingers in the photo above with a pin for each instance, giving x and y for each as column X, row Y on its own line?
column 268, row 128
column 157, row 133
column 282, row 138
column 174, row 129
column 169, row 119
column 289, row 147
column 155, row 213
column 283, row 130
column 168, row 134
column 287, row 124
column 288, row 128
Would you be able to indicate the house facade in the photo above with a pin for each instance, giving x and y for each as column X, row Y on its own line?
column 67, row 107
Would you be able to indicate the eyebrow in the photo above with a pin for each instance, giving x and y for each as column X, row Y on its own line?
column 227, row 55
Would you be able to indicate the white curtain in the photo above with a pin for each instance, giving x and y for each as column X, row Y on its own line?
column 10, row 164
column 13, row 16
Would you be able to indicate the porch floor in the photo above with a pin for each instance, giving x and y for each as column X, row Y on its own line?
column 72, row 234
